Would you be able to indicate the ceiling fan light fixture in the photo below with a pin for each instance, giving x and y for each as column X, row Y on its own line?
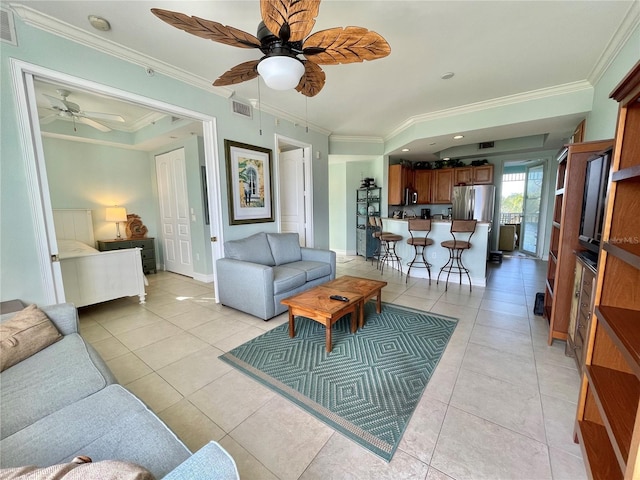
column 281, row 72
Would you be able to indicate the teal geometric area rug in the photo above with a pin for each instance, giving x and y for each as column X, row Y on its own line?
column 369, row 385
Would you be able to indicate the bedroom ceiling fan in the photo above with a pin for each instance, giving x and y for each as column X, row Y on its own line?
column 67, row 109
column 282, row 36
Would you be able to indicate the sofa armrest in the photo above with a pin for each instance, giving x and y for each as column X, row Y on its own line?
column 246, row 286
column 211, row 462
column 319, row 255
column 64, row 316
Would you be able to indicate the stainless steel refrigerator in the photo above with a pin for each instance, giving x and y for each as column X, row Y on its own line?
column 473, row 202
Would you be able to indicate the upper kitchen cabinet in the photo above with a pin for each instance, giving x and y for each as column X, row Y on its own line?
column 480, row 175
column 442, row 185
column 483, row 174
column 463, row 176
column 400, row 179
column 422, row 183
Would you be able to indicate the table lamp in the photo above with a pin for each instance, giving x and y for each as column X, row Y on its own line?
column 117, row 214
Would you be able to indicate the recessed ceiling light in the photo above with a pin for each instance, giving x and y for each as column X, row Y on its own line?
column 446, row 158
column 405, row 149
column 458, row 137
column 99, row 23
column 447, row 75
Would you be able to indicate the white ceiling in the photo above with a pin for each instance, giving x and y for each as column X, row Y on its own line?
column 495, row 49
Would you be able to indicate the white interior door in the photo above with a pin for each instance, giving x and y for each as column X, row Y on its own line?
column 174, row 212
column 292, row 193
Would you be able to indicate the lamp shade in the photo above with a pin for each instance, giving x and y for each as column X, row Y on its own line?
column 281, row 72
column 116, row 214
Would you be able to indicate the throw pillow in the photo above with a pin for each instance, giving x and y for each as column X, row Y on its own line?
column 285, row 247
column 80, row 468
column 254, row 249
column 24, row 334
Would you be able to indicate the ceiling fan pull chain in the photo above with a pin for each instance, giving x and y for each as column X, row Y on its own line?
column 259, row 107
column 306, row 114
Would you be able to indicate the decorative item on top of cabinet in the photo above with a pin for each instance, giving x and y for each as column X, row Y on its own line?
column 565, row 228
column 608, row 414
column 367, row 206
column 147, row 245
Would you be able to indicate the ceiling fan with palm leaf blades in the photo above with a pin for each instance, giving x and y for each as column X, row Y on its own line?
column 282, row 35
column 67, row 109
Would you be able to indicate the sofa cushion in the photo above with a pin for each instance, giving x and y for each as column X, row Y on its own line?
column 285, row 279
column 25, row 334
column 51, row 379
column 253, row 249
column 285, row 247
column 110, row 424
column 312, row 270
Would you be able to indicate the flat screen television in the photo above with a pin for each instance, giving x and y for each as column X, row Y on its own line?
column 593, row 202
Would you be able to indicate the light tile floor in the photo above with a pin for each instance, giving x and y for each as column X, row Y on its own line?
column 500, row 405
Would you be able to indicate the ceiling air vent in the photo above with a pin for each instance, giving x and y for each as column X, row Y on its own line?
column 484, row 145
column 7, row 28
column 241, row 109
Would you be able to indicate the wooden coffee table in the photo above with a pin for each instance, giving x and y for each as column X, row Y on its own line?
column 363, row 286
column 316, row 305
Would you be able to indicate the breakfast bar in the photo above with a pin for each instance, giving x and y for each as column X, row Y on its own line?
column 475, row 259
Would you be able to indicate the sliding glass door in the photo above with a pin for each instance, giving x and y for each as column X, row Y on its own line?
column 531, row 206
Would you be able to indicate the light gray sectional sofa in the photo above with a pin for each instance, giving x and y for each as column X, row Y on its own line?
column 259, row 271
column 63, row 401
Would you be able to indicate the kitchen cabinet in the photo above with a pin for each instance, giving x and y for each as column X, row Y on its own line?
column 463, row 176
column 442, row 186
column 483, row 174
column 397, row 184
column 480, row 175
column 608, row 414
column 422, row 183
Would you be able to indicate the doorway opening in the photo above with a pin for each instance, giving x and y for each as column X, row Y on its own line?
column 25, row 77
column 520, row 206
column 295, row 189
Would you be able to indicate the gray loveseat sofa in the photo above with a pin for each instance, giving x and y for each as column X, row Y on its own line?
column 63, row 401
column 259, row 271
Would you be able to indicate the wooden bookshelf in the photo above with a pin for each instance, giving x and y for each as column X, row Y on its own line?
column 608, row 418
column 572, row 165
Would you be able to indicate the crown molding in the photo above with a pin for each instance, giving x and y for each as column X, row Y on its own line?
column 629, row 24
column 493, row 103
column 62, row 29
column 355, row 139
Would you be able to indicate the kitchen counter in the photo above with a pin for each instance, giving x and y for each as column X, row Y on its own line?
column 475, row 259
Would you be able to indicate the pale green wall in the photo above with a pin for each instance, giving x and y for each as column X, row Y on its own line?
column 601, row 121
column 21, row 276
column 345, row 178
column 84, row 175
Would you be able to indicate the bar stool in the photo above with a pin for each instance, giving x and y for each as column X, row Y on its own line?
column 388, row 242
column 376, row 225
column 461, row 231
column 419, row 244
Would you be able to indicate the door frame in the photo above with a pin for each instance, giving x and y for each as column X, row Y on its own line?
column 541, row 215
column 22, row 74
column 280, row 142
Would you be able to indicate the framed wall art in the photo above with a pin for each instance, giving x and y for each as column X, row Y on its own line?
column 249, row 183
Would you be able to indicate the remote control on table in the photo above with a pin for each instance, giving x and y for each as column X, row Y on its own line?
column 339, row 297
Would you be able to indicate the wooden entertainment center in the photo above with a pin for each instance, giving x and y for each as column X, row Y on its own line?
column 608, row 414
